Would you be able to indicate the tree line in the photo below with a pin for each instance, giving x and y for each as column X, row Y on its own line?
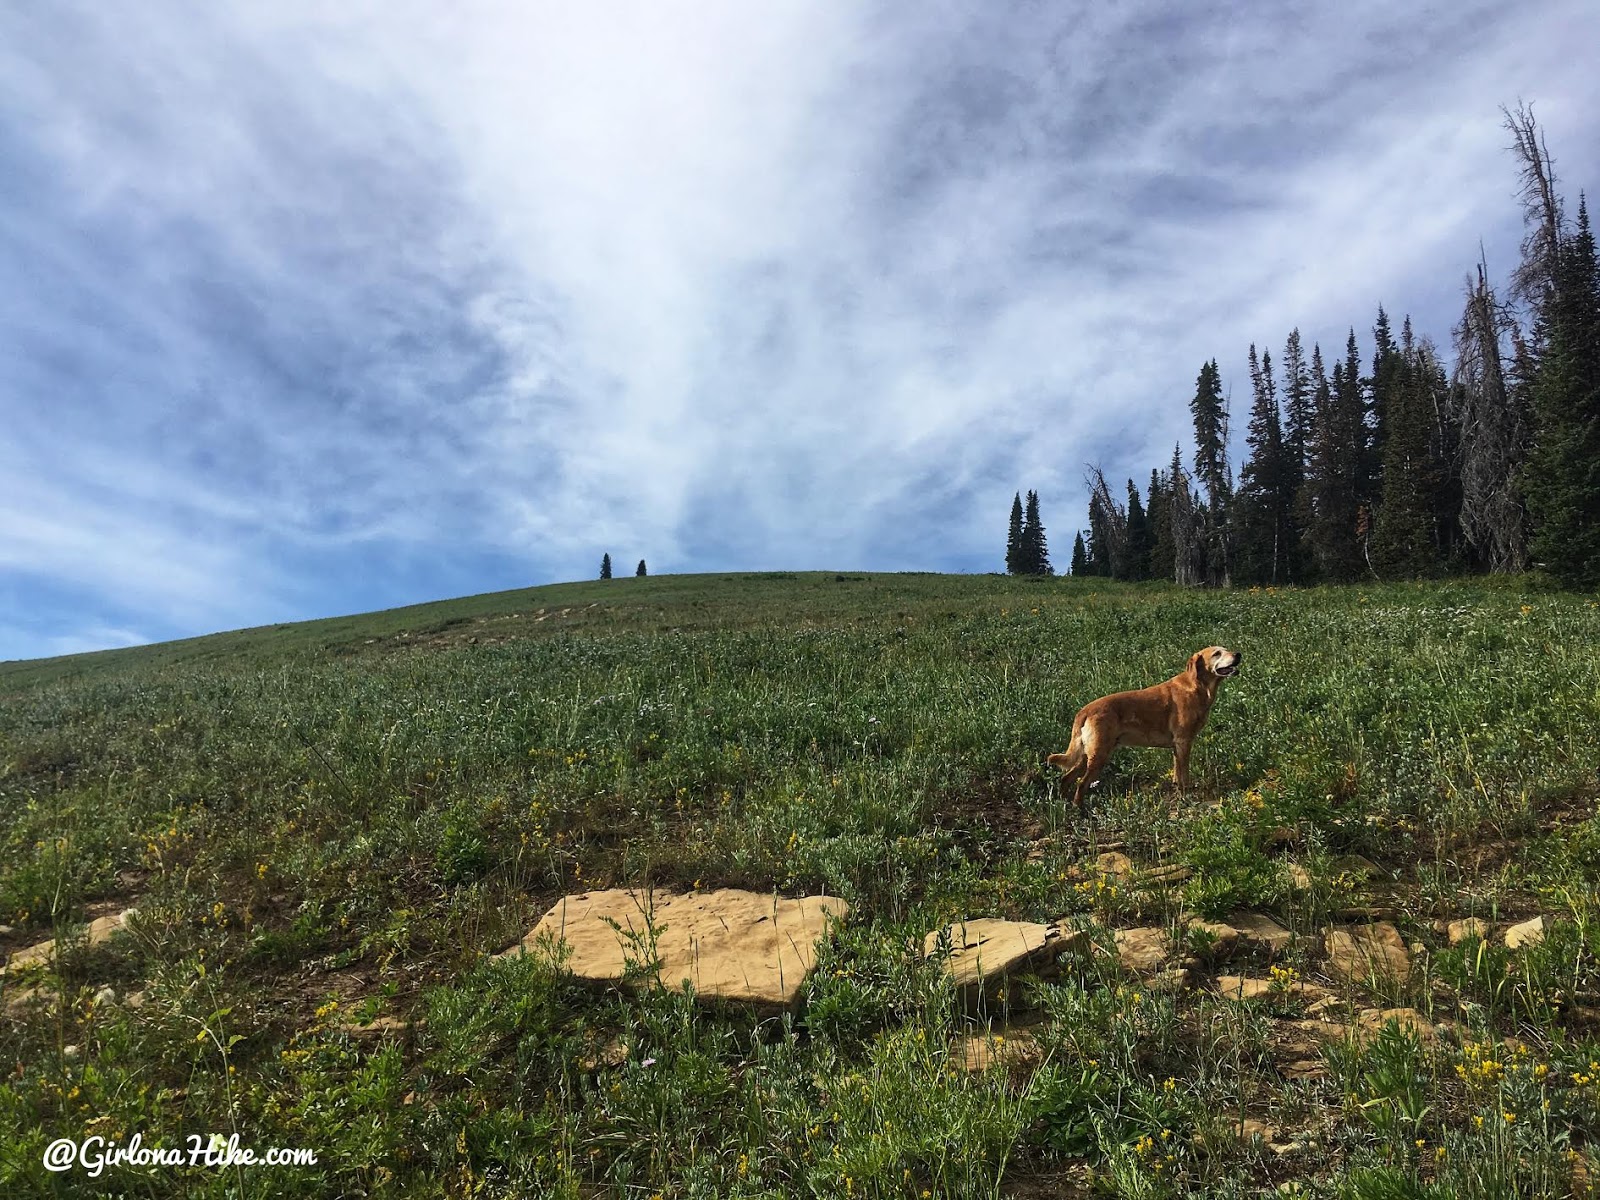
column 1396, row 465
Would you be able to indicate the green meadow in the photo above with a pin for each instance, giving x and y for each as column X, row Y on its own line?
column 326, row 829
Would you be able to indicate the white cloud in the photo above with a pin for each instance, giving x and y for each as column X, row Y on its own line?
column 715, row 284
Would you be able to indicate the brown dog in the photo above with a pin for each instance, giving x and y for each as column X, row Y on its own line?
column 1170, row 714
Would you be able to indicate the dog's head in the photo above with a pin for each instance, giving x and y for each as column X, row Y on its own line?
column 1217, row 661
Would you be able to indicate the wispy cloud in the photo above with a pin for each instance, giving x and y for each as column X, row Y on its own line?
column 309, row 313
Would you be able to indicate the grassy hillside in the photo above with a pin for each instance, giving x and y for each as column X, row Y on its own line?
column 329, row 822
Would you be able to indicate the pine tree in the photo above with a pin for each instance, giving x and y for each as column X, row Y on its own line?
column 641, row 572
column 1014, row 538
column 1387, row 368
column 1264, row 506
column 1211, row 468
column 605, row 566
column 1141, row 539
column 1080, row 560
column 1035, row 556
column 1405, row 538
column 1333, row 508
column 1562, row 478
column 1160, row 518
column 1097, row 553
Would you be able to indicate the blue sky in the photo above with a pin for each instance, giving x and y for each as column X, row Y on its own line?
column 305, row 314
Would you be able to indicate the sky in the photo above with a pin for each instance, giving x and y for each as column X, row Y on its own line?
column 313, row 309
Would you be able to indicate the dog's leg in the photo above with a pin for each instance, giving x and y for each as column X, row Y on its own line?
column 1096, row 752
column 1180, row 764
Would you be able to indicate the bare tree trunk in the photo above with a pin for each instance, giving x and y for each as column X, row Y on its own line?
column 1493, row 433
column 1115, row 533
column 1541, row 207
column 1188, row 533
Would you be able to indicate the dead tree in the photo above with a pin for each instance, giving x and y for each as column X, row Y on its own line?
column 1494, row 432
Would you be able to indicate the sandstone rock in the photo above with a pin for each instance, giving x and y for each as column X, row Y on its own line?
column 133, row 1000
column 978, row 1052
column 728, row 944
column 98, row 932
column 1239, row 987
column 1258, row 932
column 1457, row 932
column 1221, row 940
column 1528, row 933
column 1370, row 1023
column 72, row 1053
column 1366, row 955
column 1252, row 1130
column 1171, row 873
column 105, row 995
column 1354, row 865
column 1114, row 863
column 378, row 1028
column 1173, row 979
column 987, row 951
column 1299, row 877
column 1143, row 951
column 1281, row 836
column 20, row 1002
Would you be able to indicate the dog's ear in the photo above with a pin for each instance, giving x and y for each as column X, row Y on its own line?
column 1197, row 664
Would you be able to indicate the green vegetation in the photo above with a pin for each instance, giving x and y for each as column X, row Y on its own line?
column 326, row 829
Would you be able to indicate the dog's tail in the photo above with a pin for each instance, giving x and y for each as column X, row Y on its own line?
column 1071, row 760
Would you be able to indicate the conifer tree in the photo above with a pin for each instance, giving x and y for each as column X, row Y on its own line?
column 1405, row 542
column 1162, row 554
column 1264, row 505
column 1562, row 478
column 1014, row 538
column 1035, row 557
column 1493, row 433
column 1080, row 560
column 1333, row 503
column 1140, row 538
column 641, row 572
column 1210, row 413
column 605, row 566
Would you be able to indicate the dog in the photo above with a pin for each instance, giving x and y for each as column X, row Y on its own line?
column 1169, row 715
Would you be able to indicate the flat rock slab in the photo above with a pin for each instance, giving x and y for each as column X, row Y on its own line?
column 1147, row 950
column 1244, row 987
column 1260, row 932
column 745, row 947
column 42, row 954
column 986, row 950
column 1368, row 954
column 1013, row 1050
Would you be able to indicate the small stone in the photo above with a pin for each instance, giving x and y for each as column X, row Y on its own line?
column 1252, row 1130
column 1299, row 877
column 1457, row 932
column 1528, row 933
column 105, row 995
column 71, row 1053
column 1367, row 955
column 378, row 1027
column 1282, row 836
column 133, row 1000
column 1354, row 864
column 1239, row 987
column 1115, row 863
column 1172, row 873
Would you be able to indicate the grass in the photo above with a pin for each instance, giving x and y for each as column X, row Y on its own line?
column 327, row 823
